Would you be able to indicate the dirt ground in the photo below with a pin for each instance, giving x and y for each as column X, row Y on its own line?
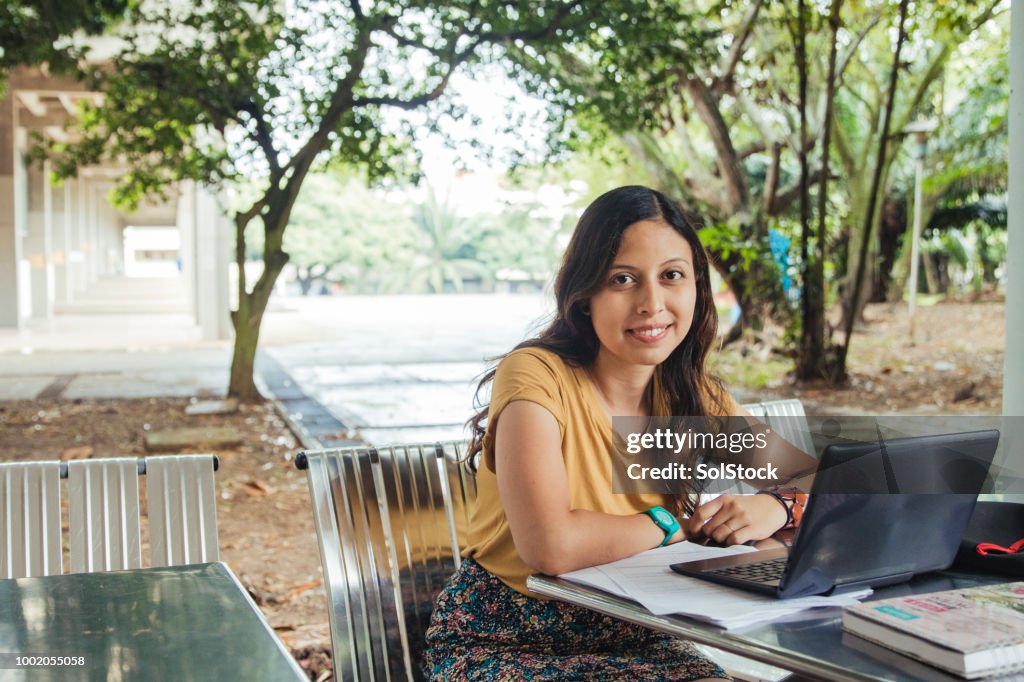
column 954, row 366
column 265, row 520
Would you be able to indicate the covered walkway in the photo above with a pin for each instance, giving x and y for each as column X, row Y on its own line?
column 63, row 248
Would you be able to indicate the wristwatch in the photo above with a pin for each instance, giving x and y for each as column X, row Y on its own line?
column 665, row 520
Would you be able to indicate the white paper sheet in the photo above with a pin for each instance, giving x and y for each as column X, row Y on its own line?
column 646, row 578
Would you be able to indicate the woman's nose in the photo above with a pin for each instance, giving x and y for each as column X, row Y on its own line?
column 651, row 301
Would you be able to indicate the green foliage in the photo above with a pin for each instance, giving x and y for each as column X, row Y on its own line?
column 523, row 239
column 729, row 238
column 448, row 247
column 39, row 31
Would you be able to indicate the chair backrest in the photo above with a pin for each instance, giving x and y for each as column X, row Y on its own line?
column 103, row 514
column 349, row 529
column 182, row 506
column 391, row 522
column 788, row 419
column 30, row 529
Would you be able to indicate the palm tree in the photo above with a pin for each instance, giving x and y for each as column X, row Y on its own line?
column 449, row 250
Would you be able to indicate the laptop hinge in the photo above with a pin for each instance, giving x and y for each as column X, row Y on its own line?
column 893, row 579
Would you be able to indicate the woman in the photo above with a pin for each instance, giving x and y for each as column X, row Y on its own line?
column 634, row 324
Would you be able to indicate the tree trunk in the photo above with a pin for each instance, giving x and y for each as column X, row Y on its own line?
column 861, row 229
column 243, row 360
column 305, row 279
column 890, row 231
column 248, row 318
column 873, row 208
column 813, row 361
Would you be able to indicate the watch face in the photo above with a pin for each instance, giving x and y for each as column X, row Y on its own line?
column 663, row 517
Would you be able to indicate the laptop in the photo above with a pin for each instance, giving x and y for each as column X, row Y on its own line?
column 877, row 515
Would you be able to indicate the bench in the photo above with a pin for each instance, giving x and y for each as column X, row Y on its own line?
column 391, row 524
column 104, row 514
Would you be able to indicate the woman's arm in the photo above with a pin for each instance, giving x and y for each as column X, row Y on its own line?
column 549, row 535
column 735, row 519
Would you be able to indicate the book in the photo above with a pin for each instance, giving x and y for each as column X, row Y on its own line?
column 971, row 632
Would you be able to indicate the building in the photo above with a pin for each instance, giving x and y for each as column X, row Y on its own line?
column 59, row 242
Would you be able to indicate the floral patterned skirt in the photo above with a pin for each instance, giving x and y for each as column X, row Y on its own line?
column 481, row 629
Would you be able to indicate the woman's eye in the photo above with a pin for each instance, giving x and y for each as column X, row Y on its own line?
column 674, row 274
column 622, row 278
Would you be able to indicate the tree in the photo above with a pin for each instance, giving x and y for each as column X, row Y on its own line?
column 967, row 173
column 933, row 34
column 715, row 129
column 524, row 239
column 343, row 232
column 41, row 31
column 813, row 361
column 221, row 91
column 447, row 247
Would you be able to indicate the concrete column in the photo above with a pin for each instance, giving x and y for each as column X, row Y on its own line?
column 10, row 239
column 81, row 237
column 38, row 242
column 212, row 256
column 115, row 237
column 1013, row 374
column 68, row 228
column 92, row 258
column 103, row 240
column 186, row 222
column 59, row 235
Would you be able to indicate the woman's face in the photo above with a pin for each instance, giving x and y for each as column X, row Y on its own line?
column 645, row 308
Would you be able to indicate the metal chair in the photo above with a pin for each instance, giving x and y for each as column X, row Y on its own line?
column 182, row 507
column 103, row 514
column 30, row 529
column 788, row 419
column 104, row 511
column 391, row 522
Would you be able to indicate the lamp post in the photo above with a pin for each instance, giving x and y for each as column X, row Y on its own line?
column 919, row 129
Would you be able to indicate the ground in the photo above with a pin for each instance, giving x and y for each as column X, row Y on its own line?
column 954, row 366
column 266, row 526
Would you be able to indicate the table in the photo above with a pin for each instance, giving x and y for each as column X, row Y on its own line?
column 810, row 643
column 178, row 624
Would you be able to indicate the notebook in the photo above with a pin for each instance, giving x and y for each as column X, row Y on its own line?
column 875, row 516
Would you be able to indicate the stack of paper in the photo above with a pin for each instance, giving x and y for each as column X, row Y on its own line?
column 646, row 578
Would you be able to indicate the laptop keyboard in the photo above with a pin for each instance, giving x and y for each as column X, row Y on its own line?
column 769, row 571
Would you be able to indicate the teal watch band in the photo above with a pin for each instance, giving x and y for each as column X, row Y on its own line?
column 665, row 520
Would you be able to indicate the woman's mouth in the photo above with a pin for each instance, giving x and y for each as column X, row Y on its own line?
column 649, row 334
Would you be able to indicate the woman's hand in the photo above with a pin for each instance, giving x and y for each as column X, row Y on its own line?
column 735, row 519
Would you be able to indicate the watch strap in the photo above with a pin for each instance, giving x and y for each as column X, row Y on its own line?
column 665, row 520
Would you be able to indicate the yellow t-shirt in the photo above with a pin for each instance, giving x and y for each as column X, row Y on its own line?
column 542, row 377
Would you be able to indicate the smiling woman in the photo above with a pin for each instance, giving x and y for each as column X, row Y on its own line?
column 634, row 324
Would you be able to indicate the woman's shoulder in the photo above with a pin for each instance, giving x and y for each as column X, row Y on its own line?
column 535, row 359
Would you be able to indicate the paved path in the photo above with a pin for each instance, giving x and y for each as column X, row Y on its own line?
column 388, row 369
column 401, row 368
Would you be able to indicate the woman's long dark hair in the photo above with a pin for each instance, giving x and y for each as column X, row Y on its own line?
column 595, row 242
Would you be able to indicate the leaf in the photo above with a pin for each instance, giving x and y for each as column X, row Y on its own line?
column 300, row 588
column 257, row 488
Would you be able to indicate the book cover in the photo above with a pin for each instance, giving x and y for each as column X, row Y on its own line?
column 971, row 631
